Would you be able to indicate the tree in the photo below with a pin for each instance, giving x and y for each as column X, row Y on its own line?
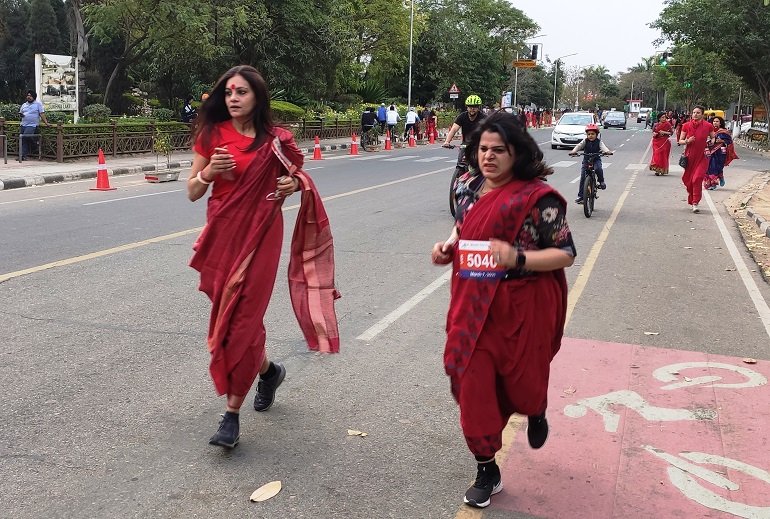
column 16, row 62
column 739, row 35
column 43, row 28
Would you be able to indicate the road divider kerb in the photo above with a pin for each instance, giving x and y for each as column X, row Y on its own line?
column 55, row 178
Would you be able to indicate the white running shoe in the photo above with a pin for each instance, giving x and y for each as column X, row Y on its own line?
column 695, row 208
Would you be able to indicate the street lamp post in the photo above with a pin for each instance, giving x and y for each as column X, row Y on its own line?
column 411, row 33
column 556, row 73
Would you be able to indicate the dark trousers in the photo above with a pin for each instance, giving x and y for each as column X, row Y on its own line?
column 599, row 175
column 28, row 143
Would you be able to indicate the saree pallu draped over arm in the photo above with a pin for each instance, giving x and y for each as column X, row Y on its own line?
column 240, row 228
column 500, row 214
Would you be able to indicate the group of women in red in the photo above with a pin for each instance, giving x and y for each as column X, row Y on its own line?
column 708, row 149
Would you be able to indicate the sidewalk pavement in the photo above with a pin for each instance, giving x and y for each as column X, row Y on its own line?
column 34, row 172
column 758, row 203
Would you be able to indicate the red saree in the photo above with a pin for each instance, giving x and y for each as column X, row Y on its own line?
column 697, row 162
column 502, row 335
column 237, row 255
column 661, row 148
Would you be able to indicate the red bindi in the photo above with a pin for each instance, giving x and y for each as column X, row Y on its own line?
column 232, row 86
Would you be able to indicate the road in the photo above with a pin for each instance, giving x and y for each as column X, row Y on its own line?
column 107, row 405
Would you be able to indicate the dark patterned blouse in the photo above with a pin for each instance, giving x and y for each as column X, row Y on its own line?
column 544, row 227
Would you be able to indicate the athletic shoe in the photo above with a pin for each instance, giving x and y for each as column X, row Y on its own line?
column 721, row 182
column 537, row 431
column 602, row 185
column 228, row 433
column 266, row 389
column 695, row 208
column 488, row 483
column 579, row 200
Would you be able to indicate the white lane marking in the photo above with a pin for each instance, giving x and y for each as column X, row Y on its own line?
column 311, row 169
column 564, row 164
column 41, row 198
column 402, row 157
column 621, row 145
column 430, row 159
column 158, row 239
column 575, row 181
column 451, row 161
column 605, row 165
column 393, row 316
column 541, row 143
column 756, row 296
column 636, row 167
column 628, row 139
column 130, row 197
column 370, row 157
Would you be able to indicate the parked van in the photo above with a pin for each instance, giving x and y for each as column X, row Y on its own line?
column 643, row 114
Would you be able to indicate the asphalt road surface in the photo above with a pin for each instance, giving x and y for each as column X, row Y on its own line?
column 107, row 406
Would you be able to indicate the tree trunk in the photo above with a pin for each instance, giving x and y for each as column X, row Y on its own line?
column 115, row 72
column 80, row 30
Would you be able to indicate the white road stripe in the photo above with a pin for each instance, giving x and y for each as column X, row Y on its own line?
column 402, row 157
column 451, row 161
column 430, row 159
column 311, row 169
column 130, row 197
column 576, row 180
column 368, row 157
column 393, row 316
column 564, row 164
column 751, row 286
column 636, row 167
column 546, row 142
column 605, row 165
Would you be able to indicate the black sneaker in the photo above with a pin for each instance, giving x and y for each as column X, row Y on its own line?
column 266, row 389
column 579, row 200
column 602, row 185
column 488, row 483
column 537, row 431
column 228, row 433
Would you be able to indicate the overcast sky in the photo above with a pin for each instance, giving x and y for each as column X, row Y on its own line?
column 613, row 33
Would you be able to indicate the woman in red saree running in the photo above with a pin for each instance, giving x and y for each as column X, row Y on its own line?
column 252, row 166
column 661, row 145
column 509, row 294
column 694, row 135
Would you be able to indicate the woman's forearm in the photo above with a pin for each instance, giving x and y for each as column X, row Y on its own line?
column 543, row 260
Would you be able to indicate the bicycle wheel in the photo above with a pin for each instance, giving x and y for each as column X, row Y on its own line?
column 453, row 190
column 588, row 195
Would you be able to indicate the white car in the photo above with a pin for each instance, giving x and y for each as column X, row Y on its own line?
column 571, row 129
column 644, row 113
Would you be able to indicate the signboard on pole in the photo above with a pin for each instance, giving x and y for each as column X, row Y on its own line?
column 454, row 92
column 56, row 80
column 525, row 63
column 505, row 102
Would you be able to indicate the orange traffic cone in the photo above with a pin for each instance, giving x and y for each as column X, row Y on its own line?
column 102, row 178
column 431, row 136
column 412, row 144
column 353, row 145
column 388, row 144
column 317, row 149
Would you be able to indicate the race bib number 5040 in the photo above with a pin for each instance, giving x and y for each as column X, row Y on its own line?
column 477, row 262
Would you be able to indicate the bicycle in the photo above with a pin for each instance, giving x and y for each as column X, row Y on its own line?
column 370, row 137
column 460, row 169
column 590, row 185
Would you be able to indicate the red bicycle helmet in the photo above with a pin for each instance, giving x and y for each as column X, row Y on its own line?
column 592, row 127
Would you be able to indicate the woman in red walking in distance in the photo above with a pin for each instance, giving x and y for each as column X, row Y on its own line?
column 661, row 145
column 251, row 166
column 509, row 294
column 694, row 135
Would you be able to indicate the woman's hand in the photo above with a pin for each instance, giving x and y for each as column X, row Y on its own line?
column 286, row 186
column 442, row 253
column 220, row 162
column 503, row 253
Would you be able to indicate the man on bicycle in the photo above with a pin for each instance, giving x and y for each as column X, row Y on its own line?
column 592, row 144
column 368, row 121
column 467, row 121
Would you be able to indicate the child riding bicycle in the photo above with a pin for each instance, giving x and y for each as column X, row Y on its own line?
column 592, row 145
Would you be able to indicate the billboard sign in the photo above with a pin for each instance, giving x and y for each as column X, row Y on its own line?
column 57, row 82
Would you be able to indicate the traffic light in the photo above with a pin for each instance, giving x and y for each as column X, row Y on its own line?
column 535, row 49
column 687, row 84
column 664, row 59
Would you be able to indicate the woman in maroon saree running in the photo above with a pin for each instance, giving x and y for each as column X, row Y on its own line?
column 509, row 294
column 694, row 135
column 661, row 145
column 252, row 166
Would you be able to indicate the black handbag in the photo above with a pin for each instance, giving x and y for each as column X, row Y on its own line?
column 683, row 161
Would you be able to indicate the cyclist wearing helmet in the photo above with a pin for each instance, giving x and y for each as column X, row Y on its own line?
column 591, row 144
column 468, row 120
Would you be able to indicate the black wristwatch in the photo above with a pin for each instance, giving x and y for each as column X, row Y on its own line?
column 521, row 259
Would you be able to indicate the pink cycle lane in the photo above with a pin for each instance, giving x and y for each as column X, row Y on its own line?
column 641, row 432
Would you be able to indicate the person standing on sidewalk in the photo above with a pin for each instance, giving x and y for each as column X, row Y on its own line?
column 508, row 301
column 252, row 165
column 31, row 113
column 694, row 135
